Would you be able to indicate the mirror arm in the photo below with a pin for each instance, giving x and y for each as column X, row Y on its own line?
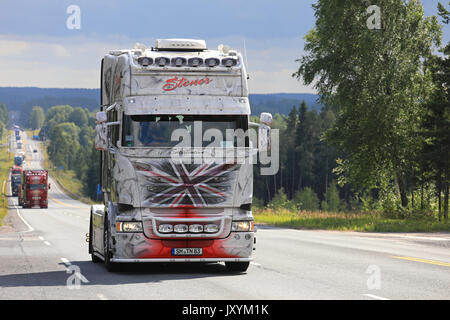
column 115, row 123
column 111, row 107
column 254, row 124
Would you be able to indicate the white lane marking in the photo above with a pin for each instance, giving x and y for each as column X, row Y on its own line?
column 30, row 228
column 47, row 243
column 79, row 275
column 41, row 238
column 425, row 238
column 374, row 296
column 255, row 264
column 102, row 297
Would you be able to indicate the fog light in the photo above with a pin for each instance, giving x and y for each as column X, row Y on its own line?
column 129, row 226
column 211, row 228
column 195, row 228
column 181, row 228
column 165, row 228
column 242, row 226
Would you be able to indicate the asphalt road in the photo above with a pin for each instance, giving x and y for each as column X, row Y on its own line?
column 43, row 255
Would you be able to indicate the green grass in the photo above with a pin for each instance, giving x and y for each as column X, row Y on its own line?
column 345, row 221
column 6, row 162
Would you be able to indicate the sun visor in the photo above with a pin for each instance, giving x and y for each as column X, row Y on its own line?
column 182, row 104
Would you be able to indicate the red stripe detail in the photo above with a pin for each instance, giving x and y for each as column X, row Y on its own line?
column 158, row 175
column 208, row 188
column 176, row 200
column 204, row 166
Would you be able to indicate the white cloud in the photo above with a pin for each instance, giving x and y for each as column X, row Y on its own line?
column 74, row 62
column 12, row 47
column 279, row 81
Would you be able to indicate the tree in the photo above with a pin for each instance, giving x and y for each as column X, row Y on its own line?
column 64, row 145
column 280, row 200
column 55, row 115
column 306, row 200
column 4, row 114
column 375, row 79
column 332, row 199
column 79, row 117
column 36, row 118
column 2, row 130
column 436, row 123
column 92, row 174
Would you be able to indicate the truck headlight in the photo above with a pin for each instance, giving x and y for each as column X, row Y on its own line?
column 129, row 226
column 242, row 226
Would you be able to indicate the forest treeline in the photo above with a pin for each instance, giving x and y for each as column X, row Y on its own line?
column 4, row 120
column 69, row 138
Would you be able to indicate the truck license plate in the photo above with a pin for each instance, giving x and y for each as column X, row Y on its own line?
column 187, row 251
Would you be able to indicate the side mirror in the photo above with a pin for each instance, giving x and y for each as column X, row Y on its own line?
column 101, row 137
column 101, row 117
column 264, row 142
column 49, row 185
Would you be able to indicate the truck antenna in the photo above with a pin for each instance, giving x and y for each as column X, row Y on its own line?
column 246, row 60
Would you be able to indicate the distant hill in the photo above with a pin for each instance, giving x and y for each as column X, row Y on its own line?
column 22, row 99
column 281, row 103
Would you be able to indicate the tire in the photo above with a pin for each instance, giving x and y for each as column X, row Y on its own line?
column 237, row 266
column 110, row 266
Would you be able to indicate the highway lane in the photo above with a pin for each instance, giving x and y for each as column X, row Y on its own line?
column 39, row 261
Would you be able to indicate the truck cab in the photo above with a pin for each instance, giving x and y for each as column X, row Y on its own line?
column 16, row 177
column 176, row 157
column 34, row 189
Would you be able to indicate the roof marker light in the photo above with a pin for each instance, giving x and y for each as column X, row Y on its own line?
column 161, row 61
column 195, row 62
column 212, row 62
column 145, row 61
column 179, row 61
column 229, row 62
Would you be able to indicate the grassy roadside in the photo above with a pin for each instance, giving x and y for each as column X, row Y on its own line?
column 66, row 179
column 6, row 162
column 361, row 221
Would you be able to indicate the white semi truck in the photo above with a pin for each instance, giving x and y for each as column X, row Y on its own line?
column 176, row 175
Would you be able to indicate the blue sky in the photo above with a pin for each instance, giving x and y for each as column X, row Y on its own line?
column 37, row 49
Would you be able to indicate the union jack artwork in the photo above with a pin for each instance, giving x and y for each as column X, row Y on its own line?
column 175, row 184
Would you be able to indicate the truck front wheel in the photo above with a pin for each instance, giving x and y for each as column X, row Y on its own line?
column 237, row 266
column 110, row 266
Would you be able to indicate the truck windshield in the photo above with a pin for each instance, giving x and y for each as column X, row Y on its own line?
column 37, row 186
column 156, row 130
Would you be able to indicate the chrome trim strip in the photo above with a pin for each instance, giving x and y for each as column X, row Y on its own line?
column 189, row 220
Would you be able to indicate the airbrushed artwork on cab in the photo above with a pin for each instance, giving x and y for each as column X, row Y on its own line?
column 167, row 183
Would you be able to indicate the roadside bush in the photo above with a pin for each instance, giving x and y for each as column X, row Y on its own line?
column 306, row 199
column 280, row 200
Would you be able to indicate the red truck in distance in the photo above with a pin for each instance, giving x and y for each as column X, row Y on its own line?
column 34, row 189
